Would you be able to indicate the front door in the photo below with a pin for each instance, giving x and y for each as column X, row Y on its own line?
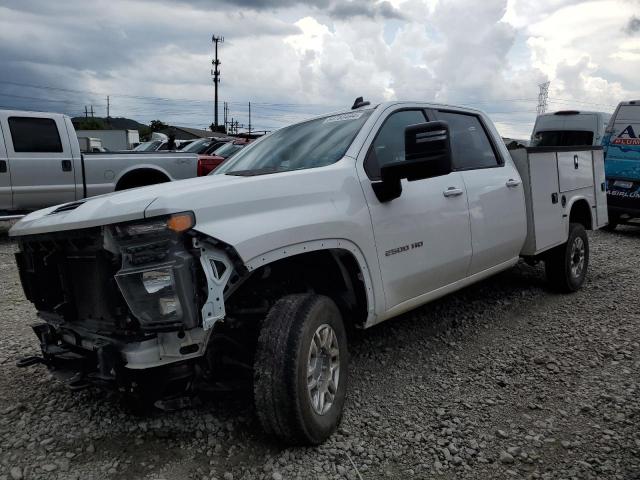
column 42, row 167
column 494, row 191
column 422, row 237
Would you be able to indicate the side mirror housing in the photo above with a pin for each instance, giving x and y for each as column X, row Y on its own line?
column 427, row 154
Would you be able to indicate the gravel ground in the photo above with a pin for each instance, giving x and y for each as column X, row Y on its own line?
column 504, row 379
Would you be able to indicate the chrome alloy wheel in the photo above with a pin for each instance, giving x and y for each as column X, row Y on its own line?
column 323, row 369
column 577, row 257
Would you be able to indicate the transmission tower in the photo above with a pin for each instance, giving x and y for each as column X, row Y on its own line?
column 216, row 75
column 543, row 97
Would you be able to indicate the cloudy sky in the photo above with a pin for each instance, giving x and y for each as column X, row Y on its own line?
column 295, row 58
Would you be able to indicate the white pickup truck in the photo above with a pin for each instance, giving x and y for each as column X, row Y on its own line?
column 258, row 271
column 41, row 164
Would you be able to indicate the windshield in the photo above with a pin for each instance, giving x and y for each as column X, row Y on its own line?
column 228, row 149
column 197, row 147
column 562, row 138
column 147, row 147
column 311, row 144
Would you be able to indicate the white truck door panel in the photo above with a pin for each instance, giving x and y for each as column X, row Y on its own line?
column 600, row 189
column 5, row 175
column 497, row 214
column 42, row 164
column 575, row 170
column 423, row 237
column 494, row 192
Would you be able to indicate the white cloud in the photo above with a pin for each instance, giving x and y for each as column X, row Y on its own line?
column 488, row 53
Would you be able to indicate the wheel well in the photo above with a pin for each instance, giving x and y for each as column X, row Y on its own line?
column 581, row 213
column 141, row 177
column 334, row 273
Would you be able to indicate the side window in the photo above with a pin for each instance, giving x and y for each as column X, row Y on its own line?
column 388, row 146
column 470, row 145
column 36, row 135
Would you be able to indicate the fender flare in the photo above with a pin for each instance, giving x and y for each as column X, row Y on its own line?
column 316, row 245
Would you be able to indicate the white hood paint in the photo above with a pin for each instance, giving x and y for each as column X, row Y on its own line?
column 254, row 214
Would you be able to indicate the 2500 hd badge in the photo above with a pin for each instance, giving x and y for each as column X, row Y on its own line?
column 404, row 248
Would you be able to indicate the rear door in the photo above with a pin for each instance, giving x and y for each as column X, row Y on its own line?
column 42, row 167
column 422, row 237
column 5, row 176
column 494, row 192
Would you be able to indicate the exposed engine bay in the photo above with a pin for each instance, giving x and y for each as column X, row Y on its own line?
column 130, row 306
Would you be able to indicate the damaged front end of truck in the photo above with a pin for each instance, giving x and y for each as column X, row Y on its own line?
column 129, row 307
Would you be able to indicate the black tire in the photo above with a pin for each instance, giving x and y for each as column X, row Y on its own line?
column 282, row 400
column 560, row 260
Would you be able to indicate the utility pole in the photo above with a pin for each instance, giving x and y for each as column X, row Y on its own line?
column 543, row 97
column 108, row 107
column 91, row 111
column 216, row 75
column 249, row 117
column 86, row 114
column 225, row 110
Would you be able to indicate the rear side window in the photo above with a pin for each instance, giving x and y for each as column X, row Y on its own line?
column 35, row 135
column 470, row 145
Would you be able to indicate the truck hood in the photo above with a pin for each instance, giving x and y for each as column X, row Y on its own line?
column 110, row 208
column 254, row 214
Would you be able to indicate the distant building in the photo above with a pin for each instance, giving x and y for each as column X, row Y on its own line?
column 186, row 133
column 113, row 140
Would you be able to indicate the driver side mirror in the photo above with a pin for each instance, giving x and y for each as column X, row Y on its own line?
column 427, row 149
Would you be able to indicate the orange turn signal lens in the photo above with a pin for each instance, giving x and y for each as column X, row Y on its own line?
column 180, row 222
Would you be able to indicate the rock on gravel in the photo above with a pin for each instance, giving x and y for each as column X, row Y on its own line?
column 430, row 393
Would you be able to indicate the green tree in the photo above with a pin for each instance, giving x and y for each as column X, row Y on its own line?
column 90, row 124
column 156, row 125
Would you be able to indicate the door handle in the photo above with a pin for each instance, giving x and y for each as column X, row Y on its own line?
column 511, row 183
column 452, row 192
column 575, row 162
column 66, row 165
column 3, row 166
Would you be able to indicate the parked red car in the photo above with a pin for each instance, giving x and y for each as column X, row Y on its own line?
column 208, row 163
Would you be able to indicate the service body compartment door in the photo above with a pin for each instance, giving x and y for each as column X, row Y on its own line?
column 600, row 189
column 545, row 202
column 5, row 176
column 575, row 170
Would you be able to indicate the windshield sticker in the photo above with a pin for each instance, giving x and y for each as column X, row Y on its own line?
column 343, row 117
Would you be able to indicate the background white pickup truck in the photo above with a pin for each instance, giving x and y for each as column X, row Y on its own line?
column 258, row 271
column 41, row 164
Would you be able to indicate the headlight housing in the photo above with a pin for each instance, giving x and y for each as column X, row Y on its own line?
column 157, row 274
column 177, row 223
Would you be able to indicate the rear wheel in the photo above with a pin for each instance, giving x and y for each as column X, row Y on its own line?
column 566, row 265
column 300, row 369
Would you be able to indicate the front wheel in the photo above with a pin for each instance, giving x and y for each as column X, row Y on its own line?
column 566, row 265
column 300, row 369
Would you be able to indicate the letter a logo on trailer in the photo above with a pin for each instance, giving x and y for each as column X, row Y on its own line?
column 627, row 137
